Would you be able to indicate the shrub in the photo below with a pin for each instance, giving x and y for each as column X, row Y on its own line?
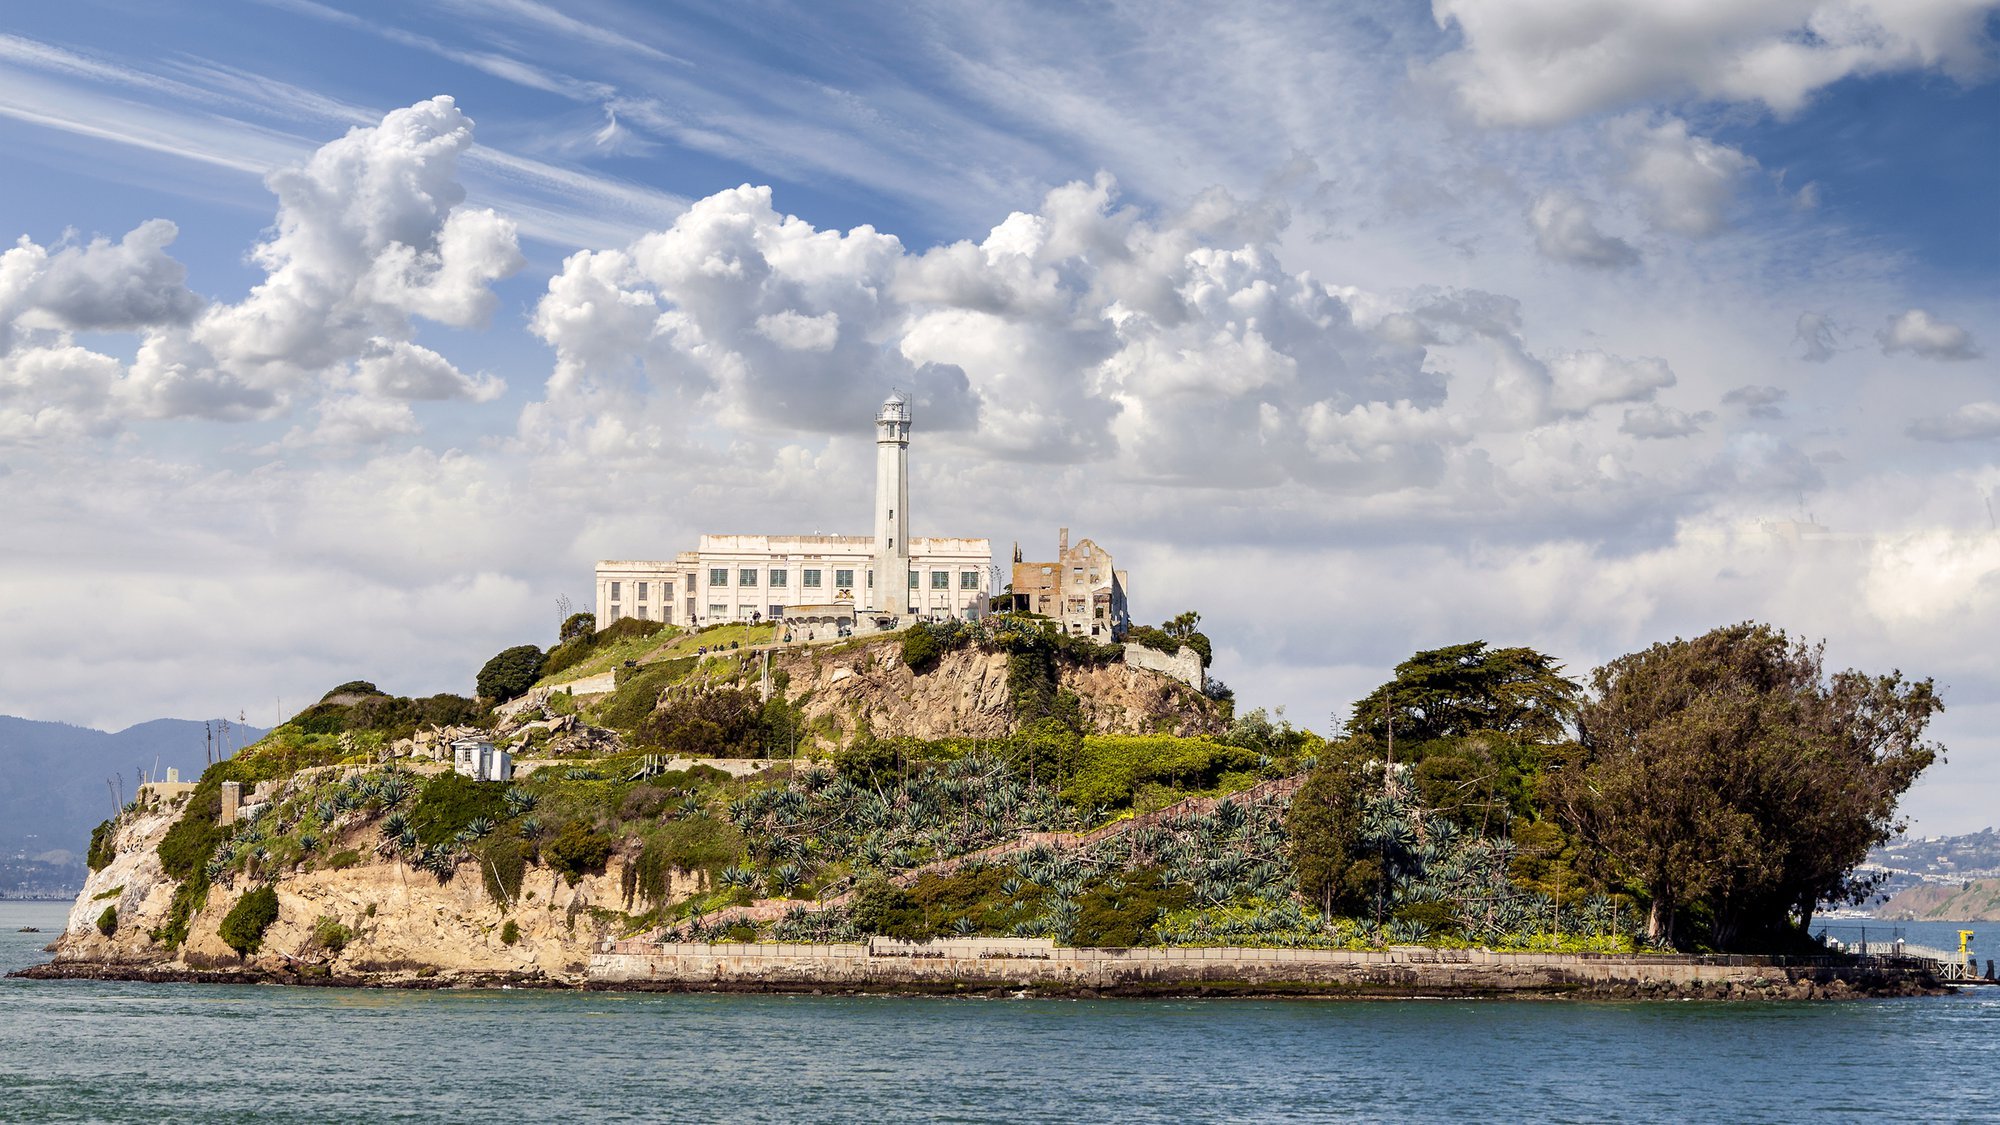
column 107, row 922
column 644, row 802
column 330, row 935
column 720, row 723
column 503, row 862
column 449, row 802
column 510, row 672
column 243, row 927
column 921, row 650
column 638, row 694
column 577, row 625
column 101, row 852
column 882, row 907
column 1120, row 911
column 1111, row 766
column 578, row 851
column 510, row 933
column 342, row 860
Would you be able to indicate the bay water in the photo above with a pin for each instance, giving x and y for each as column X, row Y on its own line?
column 98, row 1051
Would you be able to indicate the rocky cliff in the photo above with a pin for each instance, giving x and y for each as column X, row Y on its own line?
column 969, row 694
column 396, row 924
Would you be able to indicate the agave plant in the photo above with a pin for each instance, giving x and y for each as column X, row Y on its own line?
column 520, row 802
column 479, row 827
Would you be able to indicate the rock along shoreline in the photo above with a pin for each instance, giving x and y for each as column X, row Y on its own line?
column 1003, row 967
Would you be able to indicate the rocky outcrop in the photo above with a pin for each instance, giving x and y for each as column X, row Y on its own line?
column 401, row 924
column 968, row 695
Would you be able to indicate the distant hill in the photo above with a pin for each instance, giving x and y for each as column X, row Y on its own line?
column 1938, row 878
column 1976, row 901
column 55, row 792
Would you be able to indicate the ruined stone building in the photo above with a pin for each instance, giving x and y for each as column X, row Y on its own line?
column 1081, row 588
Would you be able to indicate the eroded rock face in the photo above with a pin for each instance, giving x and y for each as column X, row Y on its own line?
column 967, row 695
column 402, row 922
column 134, row 884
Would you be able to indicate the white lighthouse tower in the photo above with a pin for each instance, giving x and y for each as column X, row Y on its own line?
column 891, row 593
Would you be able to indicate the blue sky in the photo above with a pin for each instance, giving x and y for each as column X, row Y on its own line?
column 1361, row 328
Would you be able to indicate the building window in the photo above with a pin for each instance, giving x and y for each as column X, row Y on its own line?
column 715, row 611
column 913, row 580
column 940, row 579
column 746, row 577
column 968, row 580
column 718, row 576
column 667, row 593
column 871, row 578
column 780, row 577
column 614, row 591
column 1048, row 570
column 615, row 611
column 810, row 579
column 642, row 591
column 844, row 579
column 772, row 613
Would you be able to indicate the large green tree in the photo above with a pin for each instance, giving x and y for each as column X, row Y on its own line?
column 1736, row 784
column 1470, row 689
column 510, row 672
column 1323, row 828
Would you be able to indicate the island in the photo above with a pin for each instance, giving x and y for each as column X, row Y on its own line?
column 1004, row 806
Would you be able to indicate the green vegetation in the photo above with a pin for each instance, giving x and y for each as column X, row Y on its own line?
column 329, row 934
column 1181, row 630
column 1702, row 794
column 385, row 716
column 1468, row 689
column 715, row 723
column 449, row 804
column 107, row 922
column 1736, row 784
column 101, row 851
column 921, row 649
column 578, row 851
column 510, row 932
column 243, row 927
column 587, row 653
column 1111, row 769
column 510, row 673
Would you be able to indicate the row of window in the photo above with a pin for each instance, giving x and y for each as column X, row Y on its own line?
column 640, row 589
column 809, row 578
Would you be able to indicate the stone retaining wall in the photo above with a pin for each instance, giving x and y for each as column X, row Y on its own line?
column 1184, row 665
column 1030, row 963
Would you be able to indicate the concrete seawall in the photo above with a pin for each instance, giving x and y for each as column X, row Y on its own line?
column 1040, row 965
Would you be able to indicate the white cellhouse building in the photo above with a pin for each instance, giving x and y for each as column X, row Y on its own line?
column 814, row 579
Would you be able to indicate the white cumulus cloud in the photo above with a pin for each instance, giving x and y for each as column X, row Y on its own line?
column 1920, row 334
column 1536, row 62
column 1688, row 181
column 1566, row 230
column 1975, row 421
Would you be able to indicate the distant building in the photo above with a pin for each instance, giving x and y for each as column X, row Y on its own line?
column 480, row 760
column 1082, row 589
column 836, row 580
